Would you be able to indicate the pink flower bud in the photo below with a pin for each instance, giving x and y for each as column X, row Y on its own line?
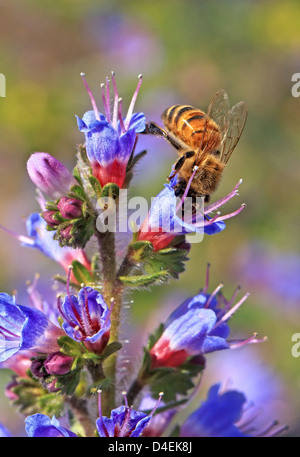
column 70, row 208
column 49, row 175
column 58, row 364
column 49, row 217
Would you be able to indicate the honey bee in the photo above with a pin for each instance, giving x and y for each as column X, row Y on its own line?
column 203, row 141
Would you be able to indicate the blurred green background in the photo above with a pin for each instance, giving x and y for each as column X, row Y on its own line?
column 186, row 51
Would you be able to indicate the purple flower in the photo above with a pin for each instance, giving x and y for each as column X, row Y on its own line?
column 224, row 415
column 110, row 139
column 87, row 318
column 24, row 328
column 39, row 425
column 163, row 222
column 42, row 239
column 49, row 175
column 160, row 421
column 4, row 432
column 198, row 326
column 123, row 422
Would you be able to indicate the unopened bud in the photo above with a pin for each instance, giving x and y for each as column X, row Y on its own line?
column 70, row 208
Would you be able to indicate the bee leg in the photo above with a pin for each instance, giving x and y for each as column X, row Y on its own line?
column 178, row 165
column 153, row 129
column 207, row 198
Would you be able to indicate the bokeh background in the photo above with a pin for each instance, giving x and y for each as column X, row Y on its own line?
column 186, row 52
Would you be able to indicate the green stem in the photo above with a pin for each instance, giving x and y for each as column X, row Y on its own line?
column 79, row 408
column 112, row 292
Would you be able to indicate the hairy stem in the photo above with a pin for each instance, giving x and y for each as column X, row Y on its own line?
column 80, row 410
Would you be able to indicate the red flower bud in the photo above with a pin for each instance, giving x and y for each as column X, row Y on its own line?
column 49, row 217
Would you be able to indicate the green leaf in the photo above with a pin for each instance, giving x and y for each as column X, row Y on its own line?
column 171, row 384
column 154, row 337
column 70, row 347
column 111, row 190
column 145, row 280
column 81, row 273
column 111, row 349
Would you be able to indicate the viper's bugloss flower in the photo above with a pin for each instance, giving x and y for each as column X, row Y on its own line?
column 160, row 421
column 163, row 223
column 49, row 175
column 86, row 318
column 39, row 425
column 198, row 326
column 4, row 432
column 42, row 239
column 24, row 328
column 109, row 138
column 123, row 421
column 224, row 415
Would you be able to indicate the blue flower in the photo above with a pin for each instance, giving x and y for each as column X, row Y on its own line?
column 164, row 222
column 217, row 416
column 198, row 326
column 39, row 425
column 123, row 422
column 42, row 239
column 4, row 432
column 24, row 328
column 110, row 139
column 225, row 415
column 87, row 318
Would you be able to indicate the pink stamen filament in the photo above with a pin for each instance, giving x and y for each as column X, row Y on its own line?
column 252, row 339
column 21, row 238
column 120, row 115
column 213, row 295
column 94, row 105
column 157, row 403
column 187, row 189
column 207, row 279
column 116, row 101
column 231, row 311
column 224, row 200
column 132, row 103
column 104, row 100
column 76, row 314
column 108, row 100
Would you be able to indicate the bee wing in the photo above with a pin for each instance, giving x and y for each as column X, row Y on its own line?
column 219, row 108
column 217, row 111
column 234, row 124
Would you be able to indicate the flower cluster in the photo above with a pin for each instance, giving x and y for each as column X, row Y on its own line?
column 65, row 353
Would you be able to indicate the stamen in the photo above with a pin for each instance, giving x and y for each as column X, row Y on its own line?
column 22, row 238
column 252, row 339
column 124, row 393
column 120, row 115
column 100, row 414
column 213, row 295
column 224, row 200
column 157, row 403
column 227, row 216
column 132, row 103
column 116, row 101
column 96, row 111
column 231, row 311
column 104, row 100
column 196, row 168
column 207, row 279
column 108, row 100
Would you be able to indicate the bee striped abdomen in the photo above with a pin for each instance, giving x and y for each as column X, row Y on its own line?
column 189, row 124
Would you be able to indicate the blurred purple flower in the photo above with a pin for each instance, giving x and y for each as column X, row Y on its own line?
column 223, row 415
column 39, row 425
